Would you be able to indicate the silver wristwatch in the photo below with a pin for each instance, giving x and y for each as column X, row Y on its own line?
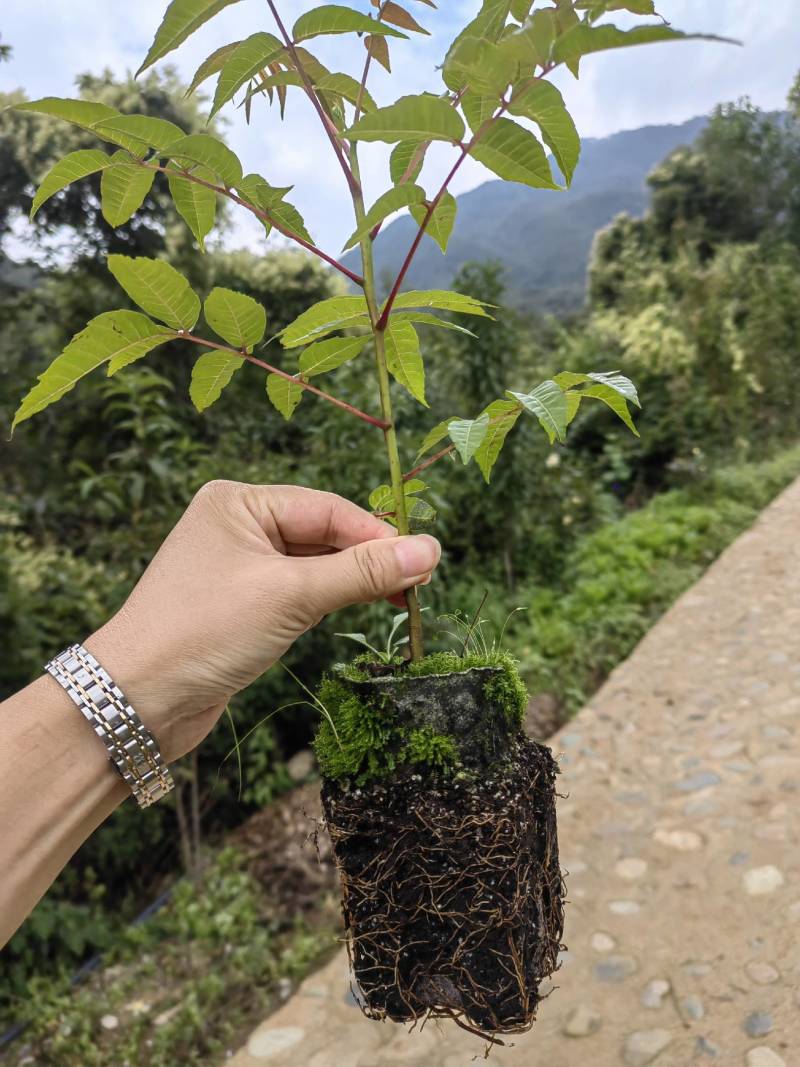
column 131, row 747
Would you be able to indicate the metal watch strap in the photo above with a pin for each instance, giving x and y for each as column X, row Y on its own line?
column 131, row 747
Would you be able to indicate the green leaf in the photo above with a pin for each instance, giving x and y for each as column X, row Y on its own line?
column 478, row 109
column 237, row 318
column 287, row 218
column 208, row 151
column 420, row 514
column 399, row 196
column 434, row 436
column 600, row 7
column 441, row 223
column 349, row 88
column 618, row 382
column 382, row 499
column 583, row 39
column 444, row 299
column 480, row 64
column 514, row 154
column 180, row 21
column 426, row 319
column 83, row 113
column 70, row 169
column 251, row 56
column 329, row 354
column 212, row 65
column 548, row 403
column 468, row 435
column 566, row 379
column 123, row 188
column 149, row 132
column 284, row 394
column 520, row 9
column 531, row 46
column 573, row 403
column 400, row 160
column 210, row 374
column 502, row 416
column 404, row 359
column 543, row 103
column 323, row 318
column 335, row 18
column 196, row 204
column 411, row 118
column 615, row 401
column 116, row 336
column 158, row 289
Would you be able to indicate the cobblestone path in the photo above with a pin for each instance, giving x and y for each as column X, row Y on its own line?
column 681, row 836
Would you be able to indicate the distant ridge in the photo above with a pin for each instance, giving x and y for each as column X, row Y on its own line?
column 547, row 236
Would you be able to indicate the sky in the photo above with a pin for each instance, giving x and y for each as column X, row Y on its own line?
column 55, row 40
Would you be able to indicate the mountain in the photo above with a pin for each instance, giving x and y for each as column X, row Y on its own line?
column 543, row 238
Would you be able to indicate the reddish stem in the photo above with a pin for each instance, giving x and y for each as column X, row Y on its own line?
column 261, row 214
column 333, row 136
column 428, row 463
column 289, row 377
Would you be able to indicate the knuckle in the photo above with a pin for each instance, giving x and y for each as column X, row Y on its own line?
column 216, row 489
column 373, row 569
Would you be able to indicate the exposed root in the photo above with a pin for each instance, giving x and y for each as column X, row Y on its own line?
column 452, row 893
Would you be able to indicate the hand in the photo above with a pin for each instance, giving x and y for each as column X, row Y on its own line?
column 243, row 574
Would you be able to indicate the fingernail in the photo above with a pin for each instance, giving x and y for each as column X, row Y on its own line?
column 417, row 554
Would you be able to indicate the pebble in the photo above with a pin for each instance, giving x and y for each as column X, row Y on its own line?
column 758, row 1024
column 602, row 942
column 631, row 869
column 692, row 1007
column 109, row 1022
column 615, row 968
column 761, row 880
column 680, row 840
column 643, row 1046
column 764, row 1057
column 762, row 973
column 300, row 765
column 624, row 907
column 696, row 968
column 704, row 1047
column 695, row 782
column 654, row 993
column 266, row 1043
column 583, row 1021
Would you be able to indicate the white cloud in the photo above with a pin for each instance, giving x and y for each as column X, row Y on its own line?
column 56, row 40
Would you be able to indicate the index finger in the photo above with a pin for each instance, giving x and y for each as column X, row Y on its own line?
column 313, row 517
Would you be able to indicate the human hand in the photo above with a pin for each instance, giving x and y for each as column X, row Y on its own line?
column 243, row 574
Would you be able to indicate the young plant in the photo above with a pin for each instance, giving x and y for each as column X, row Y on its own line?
column 495, row 90
column 441, row 811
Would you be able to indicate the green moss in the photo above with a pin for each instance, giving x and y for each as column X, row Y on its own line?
column 363, row 739
column 426, row 746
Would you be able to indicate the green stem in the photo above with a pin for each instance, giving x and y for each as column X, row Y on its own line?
column 389, row 433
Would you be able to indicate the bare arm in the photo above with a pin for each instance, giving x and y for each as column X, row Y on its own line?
column 246, row 571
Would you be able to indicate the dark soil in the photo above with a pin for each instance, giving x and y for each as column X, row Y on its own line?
column 452, row 891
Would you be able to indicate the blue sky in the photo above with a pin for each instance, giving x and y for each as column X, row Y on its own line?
column 54, row 40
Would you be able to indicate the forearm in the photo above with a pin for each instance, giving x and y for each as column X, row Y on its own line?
column 56, row 786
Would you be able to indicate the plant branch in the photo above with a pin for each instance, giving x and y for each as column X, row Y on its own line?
column 308, row 86
column 260, row 213
column 465, row 151
column 380, row 423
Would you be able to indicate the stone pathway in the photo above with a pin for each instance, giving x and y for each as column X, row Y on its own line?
column 680, row 835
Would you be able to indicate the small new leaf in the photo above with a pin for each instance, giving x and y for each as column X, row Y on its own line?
column 158, row 289
column 329, row 354
column 399, row 196
column 398, row 16
column 210, row 374
column 212, row 65
column 440, row 224
column 284, row 394
column 237, row 318
column 468, row 435
column 404, row 358
column 250, row 57
column 123, row 188
column 549, row 404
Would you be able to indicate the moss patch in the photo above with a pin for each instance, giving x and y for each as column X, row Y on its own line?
column 446, row 713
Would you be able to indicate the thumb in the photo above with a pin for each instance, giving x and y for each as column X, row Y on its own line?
column 370, row 571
